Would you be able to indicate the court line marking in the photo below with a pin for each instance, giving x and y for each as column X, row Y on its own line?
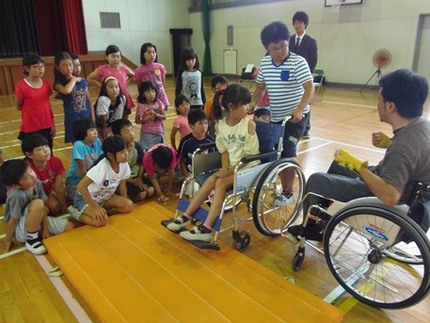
column 64, row 292
column 10, row 253
column 373, row 107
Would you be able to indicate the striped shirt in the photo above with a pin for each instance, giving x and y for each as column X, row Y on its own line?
column 284, row 84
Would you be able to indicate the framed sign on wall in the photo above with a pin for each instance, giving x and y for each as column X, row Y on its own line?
column 329, row 3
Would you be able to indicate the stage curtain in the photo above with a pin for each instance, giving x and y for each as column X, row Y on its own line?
column 74, row 26
column 18, row 33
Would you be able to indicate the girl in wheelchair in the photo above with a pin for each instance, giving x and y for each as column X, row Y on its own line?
column 235, row 138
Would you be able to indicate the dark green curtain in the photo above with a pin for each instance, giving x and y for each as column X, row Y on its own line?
column 206, row 27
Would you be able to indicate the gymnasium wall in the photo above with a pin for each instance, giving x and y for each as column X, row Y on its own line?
column 141, row 21
column 348, row 36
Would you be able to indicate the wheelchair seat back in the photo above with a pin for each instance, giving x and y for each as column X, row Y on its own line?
column 270, row 138
column 206, row 162
column 419, row 202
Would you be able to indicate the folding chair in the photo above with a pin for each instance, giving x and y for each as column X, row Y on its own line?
column 318, row 76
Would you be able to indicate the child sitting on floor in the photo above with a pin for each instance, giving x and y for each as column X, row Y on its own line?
column 262, row 115
column 48, row 169
column 198, row 121
column 161, row 159
column 97, row 199
column 86, row 150
column 26, row 215
column 138, row 186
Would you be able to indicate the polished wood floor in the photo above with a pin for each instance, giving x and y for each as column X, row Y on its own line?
column 344, row 118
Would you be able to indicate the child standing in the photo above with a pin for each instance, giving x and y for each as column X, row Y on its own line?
column 26, row 216
column 151, row 70
column 110, row 106
column 86, row 150
column 180, row 124
column 236, row 138
column 48, row 169
column 73, row 91
column 138, row 186
column 115, row 69
column 150, row 114
column 198, row 121
column 32, row 99
column 189, row 80
column 76, row 64
column 218, row 82
column 161, row 159
column 97, row 199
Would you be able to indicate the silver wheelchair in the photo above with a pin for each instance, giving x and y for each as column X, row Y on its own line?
column 259, row 187
column 378, row 254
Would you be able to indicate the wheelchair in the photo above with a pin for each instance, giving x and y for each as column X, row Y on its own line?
column 259, row 187
column 378, row 254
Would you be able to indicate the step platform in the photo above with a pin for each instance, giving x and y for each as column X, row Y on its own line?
column 134, row 270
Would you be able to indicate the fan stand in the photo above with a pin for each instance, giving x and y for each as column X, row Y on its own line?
column 378, row 74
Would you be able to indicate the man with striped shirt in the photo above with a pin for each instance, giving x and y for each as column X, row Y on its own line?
column 288, row 80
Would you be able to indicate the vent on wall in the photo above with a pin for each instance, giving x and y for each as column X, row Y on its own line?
column 110, row 20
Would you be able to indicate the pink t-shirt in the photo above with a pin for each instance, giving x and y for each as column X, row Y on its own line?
column 148, row 161
column 181, row 124
column 36, row 113
column 155, row 73
column 155, row 127
column 122, row 74
column 47, row 176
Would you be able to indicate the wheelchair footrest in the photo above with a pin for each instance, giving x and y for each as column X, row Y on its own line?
column 165, row 223
column 204, row 244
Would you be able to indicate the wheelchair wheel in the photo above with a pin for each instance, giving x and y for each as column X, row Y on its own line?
column 405, row 252
column 356, row 242
column 272, row 211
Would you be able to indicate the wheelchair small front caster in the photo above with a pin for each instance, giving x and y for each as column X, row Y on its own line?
column 299, row 258
column 241, row 240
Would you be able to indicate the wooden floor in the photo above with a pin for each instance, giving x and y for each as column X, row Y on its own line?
column 344, row 118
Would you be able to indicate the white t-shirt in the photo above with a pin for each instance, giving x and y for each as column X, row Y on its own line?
column 105, row 180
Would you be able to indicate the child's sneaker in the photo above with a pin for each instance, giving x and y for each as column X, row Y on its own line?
column 284, row 199
column 74, row 212
column 178, row 224
column 36, row 248
column 199, row 233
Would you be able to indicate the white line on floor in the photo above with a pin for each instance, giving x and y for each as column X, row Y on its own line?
column 64, row 292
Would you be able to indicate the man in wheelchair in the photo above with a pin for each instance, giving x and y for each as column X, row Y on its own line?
column 401, row 99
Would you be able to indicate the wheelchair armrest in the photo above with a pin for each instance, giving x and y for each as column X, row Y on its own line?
column 258, row 157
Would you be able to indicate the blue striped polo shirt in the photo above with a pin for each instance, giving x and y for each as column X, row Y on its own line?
column 284, row 83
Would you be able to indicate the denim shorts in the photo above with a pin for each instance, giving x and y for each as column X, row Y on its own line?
column 293, row 133
column 147, row 140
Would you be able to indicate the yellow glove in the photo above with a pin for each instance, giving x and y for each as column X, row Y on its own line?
column 381, row 140
column 345, row 159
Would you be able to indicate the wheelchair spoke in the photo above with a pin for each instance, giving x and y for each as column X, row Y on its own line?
column 274, row 210
column 356, row 245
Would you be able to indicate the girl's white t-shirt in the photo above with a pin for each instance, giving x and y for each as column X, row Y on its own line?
column 105, row 180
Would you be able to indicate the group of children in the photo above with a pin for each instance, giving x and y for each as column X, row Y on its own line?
column 107, row 170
